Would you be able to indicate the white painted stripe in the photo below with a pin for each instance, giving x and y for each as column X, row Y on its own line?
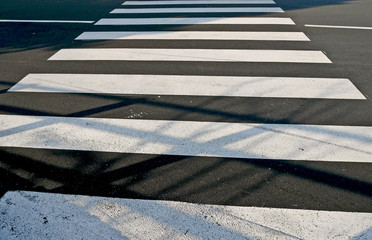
column 199, row 2
column 43, row 21
column 184, row 138
column 209, row 55
column 286, row 87
column 189, row 21
column 24, row 215
column 342, row 27
column 198, row 10
column 195, row 35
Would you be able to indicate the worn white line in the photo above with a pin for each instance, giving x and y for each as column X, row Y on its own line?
column 198, row 2
column 341, row 27
column 43, row 21
column 287, row 87
column 189, row 21
column 205, row 55
column 24, row 215
column 195, row 35
column 186, row 138
column 198, row 10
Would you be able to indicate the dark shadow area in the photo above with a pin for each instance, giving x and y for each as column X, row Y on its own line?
column 23, row 37
column 189, row 108
column 303, row 4
column 56, row 10
column 18, row 37
column 130, row 101
column 10, row 180
column 246, row 182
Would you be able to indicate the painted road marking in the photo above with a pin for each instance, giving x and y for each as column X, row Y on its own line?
column 193, row 21
column 201, row 55
column 113, row 218
column 196, row 35
column 199, row 2
column 199, row 10
column 286, row 87
column 43, row 21
column 342, row 27
column 187, row 138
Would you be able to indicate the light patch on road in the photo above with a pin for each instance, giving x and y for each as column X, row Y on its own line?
column 193, row 21
column 33, row 215
column 200, row 55
column 195, row 35
column 285, row 87
column 340, row 27
column 190, row 138
column 199, row 10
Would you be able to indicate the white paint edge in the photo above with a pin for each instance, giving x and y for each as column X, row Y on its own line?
column 341, row 27
column 32, row 215
column 198, row 10
column 195, row 35
column 44, row 21
column 282, row 87
column 198, row 2
column 200, row 55
column 189, row 21
column 187, row 138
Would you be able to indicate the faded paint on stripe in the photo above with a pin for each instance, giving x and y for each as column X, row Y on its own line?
column 114, row 218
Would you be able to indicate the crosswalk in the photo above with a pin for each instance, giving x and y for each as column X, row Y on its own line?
column 180, row 137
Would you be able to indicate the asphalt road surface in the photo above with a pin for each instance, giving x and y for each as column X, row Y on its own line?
column 241, row 103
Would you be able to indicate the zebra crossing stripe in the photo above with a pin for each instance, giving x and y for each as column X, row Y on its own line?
column 114, row 218
column 199, row 2
column 338, row 27
column 285, row 87
column 187, row 138
column 193, row 21
column 196, row 35
column 200, row 10
column 200, row 55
